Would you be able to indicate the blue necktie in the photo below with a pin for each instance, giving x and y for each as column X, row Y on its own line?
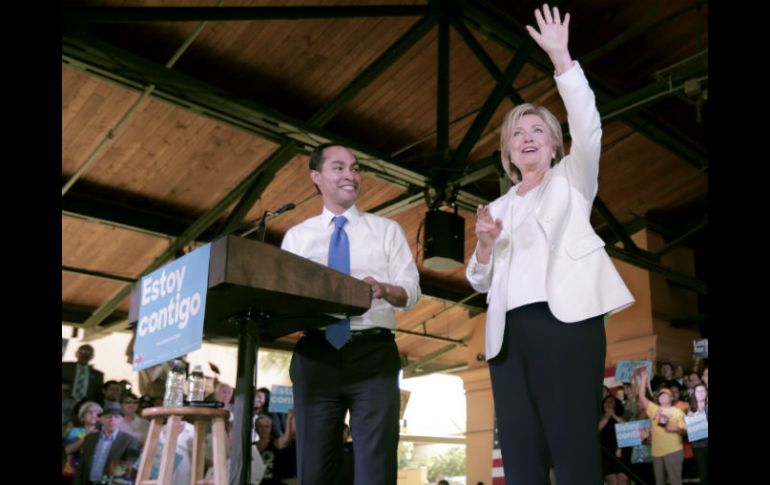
column 338, row 333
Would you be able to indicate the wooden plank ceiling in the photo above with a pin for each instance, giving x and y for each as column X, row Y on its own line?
column 158, row 167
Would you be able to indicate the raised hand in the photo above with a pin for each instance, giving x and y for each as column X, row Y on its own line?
column 553, row 36
column 487, row 228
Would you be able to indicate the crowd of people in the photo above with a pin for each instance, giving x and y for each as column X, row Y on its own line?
column 116, row 413
column 103, row 427
column 665, row 399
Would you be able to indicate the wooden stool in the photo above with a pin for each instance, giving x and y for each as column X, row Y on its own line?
column 200, row 416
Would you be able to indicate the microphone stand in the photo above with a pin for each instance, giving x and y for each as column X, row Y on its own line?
column 249, row 324
column 262, row 228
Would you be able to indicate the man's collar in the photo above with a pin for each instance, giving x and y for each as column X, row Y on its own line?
column 352, row 215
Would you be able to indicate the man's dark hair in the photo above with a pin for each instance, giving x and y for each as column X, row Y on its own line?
column 108, row 383
column 317, row 155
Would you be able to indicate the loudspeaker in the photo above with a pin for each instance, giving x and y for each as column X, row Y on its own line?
column 444, row 247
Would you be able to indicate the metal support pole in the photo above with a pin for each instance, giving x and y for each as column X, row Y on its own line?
column 243, row 408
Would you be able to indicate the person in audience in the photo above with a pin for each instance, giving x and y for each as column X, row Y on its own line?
column 184, row 445
column 619, row 393
column 223, row 393
column 632, row 413
column 667, row 428
column 676, row 397
column 705, row 376
column 257, row 466
column 612, row 411
column 270, row 449
column 146, row 401
column 102, row 449
column 86, row 380
column 688, row 466
column 132, row 423
column 85, row 424
column 125, row 387
column 665, row 376
column 282, row 431
column 111, row 391
column 699, row 403
column 629, row 405
column 262, row 407
column 693, row 379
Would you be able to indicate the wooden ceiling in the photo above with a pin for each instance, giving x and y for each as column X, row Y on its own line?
column 180, row 123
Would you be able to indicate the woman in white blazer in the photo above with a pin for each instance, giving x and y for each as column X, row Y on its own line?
column 548, row 280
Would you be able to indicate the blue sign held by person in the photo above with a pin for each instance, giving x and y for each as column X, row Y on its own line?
column 632, row 433
column 281, row 399
column 701, row 348
column 697, row 426
column 625, row 368
column 172, row 307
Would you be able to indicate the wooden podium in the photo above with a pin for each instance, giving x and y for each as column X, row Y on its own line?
column 293, row 293
column 259, row 291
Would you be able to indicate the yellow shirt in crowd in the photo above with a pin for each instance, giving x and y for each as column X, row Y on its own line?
column 664, row 442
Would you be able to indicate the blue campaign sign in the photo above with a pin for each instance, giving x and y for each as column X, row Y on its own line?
column 281, row 399
column 625, row 368
column 172, row 309
column 697, row 426
column 701, row 348
column 632, row 433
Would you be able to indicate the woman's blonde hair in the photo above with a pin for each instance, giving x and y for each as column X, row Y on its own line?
column 511, row 120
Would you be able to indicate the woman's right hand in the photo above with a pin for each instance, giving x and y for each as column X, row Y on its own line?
column 487, row 231
column 553, row 36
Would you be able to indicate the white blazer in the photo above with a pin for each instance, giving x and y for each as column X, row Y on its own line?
column 581, row 281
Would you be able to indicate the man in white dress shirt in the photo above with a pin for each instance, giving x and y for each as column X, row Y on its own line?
column 359, row 371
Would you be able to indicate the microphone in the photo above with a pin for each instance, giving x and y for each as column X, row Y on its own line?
column 283, row 209
column 262, row 227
